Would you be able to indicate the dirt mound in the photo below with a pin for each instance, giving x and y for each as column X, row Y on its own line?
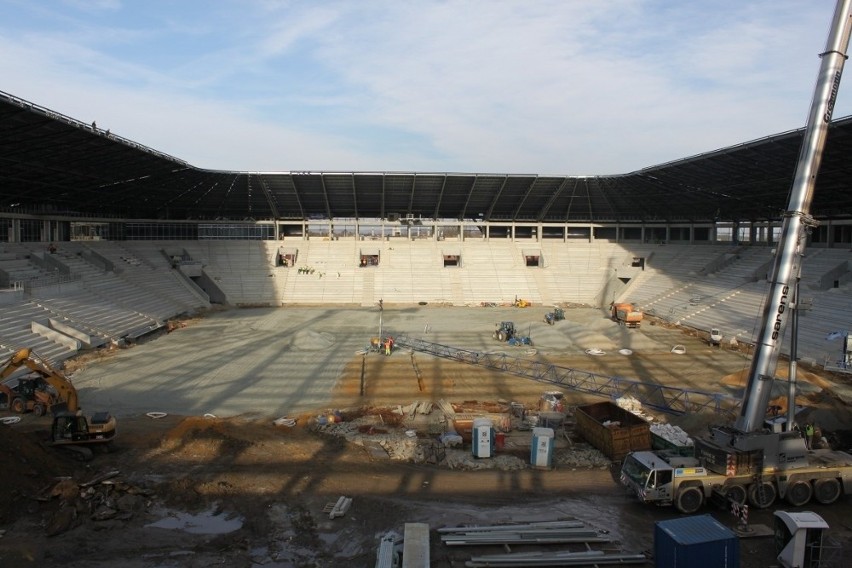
column 29, row 469
column 312, row 340
column 740, row 378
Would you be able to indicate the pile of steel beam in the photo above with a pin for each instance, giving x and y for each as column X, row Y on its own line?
column 537, row 533
column 547, row 532
column 585, row 558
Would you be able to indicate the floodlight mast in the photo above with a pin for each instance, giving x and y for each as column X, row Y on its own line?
column 797, row 220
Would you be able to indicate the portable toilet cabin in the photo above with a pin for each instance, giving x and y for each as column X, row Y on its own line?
column 798, row 538
column 695, row 542
column 541, row 449
column 482, row 438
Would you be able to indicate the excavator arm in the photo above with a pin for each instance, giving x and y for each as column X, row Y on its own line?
column 26, row 358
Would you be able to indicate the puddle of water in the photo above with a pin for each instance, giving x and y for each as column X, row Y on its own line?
column 206, row 522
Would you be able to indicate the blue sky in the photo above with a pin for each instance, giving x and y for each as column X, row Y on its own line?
column 569, row 87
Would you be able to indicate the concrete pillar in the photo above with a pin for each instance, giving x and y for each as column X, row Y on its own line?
column 15, row 231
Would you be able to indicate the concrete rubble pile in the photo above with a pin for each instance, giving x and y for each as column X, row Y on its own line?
column 674, row 434
column 426, row 434
column 102, row 499
column 582, row 456
column 464, row 460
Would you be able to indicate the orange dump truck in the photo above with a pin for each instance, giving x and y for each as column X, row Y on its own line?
column 626, row 314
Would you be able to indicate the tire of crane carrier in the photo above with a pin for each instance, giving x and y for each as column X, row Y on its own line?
column 762, row 495
column 18, row 406
column 736, row 494
column 827, row 491
column 39, row 410
column 689, row 499
column 799, row 492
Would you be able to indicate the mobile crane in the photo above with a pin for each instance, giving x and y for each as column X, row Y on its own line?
column 70, row 429
column 754, row 461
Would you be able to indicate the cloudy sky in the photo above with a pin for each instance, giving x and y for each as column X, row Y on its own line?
column 570, row 87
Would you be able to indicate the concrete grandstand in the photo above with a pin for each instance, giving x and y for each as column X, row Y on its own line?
column 106, row 239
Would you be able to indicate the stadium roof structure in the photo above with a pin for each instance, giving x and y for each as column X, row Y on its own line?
column 54, row 165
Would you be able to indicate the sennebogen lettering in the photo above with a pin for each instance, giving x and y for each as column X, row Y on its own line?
column 832, row 97
column 782, row 305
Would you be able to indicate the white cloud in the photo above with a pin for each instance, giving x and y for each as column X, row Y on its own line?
column 547, row 87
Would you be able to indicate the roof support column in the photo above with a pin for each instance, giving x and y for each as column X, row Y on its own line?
column 14, row 230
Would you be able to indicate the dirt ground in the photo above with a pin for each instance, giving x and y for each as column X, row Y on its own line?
column 242, row 491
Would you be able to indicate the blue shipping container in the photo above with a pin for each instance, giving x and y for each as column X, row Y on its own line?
column 695, row 542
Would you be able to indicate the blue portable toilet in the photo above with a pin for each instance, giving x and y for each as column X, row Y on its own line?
column 541, row 449
column 482, row 438
column 695, row 542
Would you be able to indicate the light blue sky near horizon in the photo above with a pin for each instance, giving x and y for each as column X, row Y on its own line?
column 571, row 87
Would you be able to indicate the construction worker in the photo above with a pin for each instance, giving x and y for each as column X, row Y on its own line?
column 388, row 346
column 809, row 435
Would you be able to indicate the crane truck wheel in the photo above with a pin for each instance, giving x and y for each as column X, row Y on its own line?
column 736, row 494
column 18, row 406
column 826, row 491
column 689, row 499
column 799, row 492
column 762, row 494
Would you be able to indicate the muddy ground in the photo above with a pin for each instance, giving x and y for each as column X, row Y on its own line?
column 195, row 490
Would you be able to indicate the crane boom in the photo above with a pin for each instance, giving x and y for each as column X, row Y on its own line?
column 796, row 221
column 752, row 461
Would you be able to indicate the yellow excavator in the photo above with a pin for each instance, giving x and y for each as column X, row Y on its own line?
column 44, row 389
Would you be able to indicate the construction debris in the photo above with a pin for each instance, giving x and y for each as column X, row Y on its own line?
column 338, row 509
